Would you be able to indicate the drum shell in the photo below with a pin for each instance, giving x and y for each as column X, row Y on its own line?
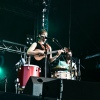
column 26, row 71
column 61, row 75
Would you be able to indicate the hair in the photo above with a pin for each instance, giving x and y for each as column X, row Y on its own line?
column 69, row 50
column 42, row 31
column 67, row 53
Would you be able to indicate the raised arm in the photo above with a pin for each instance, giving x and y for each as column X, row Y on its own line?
column 56, row 56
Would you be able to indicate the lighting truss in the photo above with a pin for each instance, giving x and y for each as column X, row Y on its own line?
column 13, row 47
column 45, row 12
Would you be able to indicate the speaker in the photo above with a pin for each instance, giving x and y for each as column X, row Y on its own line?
column 52, row 89
column 34, row 85
column 80, row 90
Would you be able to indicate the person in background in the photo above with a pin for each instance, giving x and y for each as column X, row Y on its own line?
column 67, row 69
column 72, row 67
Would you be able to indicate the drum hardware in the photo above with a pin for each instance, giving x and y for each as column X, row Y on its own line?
column 17, row 85
column 21, row 62
column 58, row 68
column 63, row 73
column 79, row 72
column 58, row 72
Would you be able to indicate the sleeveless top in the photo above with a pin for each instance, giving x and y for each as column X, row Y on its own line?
column 41, row 63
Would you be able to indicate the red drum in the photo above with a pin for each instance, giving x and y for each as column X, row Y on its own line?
column 26, row 71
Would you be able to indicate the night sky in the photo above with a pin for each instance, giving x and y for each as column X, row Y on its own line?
column 74, row 23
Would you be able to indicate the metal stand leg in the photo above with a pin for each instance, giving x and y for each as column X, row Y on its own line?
column 6, row 84
column 17, row 84
column 61, row 90
column 79, row 72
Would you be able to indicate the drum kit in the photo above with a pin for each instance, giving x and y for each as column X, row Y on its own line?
column 27, row 70
column 63, row 73
column 24, row 71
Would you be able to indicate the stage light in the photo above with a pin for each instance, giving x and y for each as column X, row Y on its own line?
column 29, row 39
column 2, row 72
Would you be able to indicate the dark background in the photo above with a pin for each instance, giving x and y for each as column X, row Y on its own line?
column 77, row 21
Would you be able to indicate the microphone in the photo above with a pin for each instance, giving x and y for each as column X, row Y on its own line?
column 44, row 37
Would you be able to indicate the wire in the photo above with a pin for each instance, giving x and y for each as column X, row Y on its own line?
column 70, row 24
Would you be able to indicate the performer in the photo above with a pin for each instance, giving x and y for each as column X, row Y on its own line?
column 70, row 68
column 37, row 52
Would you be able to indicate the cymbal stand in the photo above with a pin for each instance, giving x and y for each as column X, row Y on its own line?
column 79, row 72
column 71, row 67
column 72, row 72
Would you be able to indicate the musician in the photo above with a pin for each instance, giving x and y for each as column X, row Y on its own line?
column 69, row 68
column 37, row 52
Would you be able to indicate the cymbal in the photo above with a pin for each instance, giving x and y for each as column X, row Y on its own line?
column 59, row 68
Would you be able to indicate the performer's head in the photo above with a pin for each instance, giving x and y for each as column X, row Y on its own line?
column 68, row 53
column 42, row 34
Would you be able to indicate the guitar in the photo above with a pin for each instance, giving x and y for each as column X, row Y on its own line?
column 39, row 56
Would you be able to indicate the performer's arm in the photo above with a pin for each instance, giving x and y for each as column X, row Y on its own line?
column 32, row 51
column 56, row 56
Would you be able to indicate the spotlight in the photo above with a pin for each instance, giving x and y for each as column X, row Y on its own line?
column 29, row 39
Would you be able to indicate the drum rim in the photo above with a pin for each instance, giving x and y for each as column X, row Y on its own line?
column 30, row 65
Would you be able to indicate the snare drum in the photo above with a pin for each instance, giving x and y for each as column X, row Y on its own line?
column 61, row 75
column 26, row 71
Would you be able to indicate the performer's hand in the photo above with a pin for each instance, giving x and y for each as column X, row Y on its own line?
column 59, row 52
column 65, row 49
column 41, row 52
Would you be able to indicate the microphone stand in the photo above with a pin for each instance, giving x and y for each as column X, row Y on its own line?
column 58, row 44
column 61, row 82
column 45, row 61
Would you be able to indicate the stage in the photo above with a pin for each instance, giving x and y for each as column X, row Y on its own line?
column 55, row 89
column 73, row 23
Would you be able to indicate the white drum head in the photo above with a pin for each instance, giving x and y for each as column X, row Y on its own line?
column 31, row 65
